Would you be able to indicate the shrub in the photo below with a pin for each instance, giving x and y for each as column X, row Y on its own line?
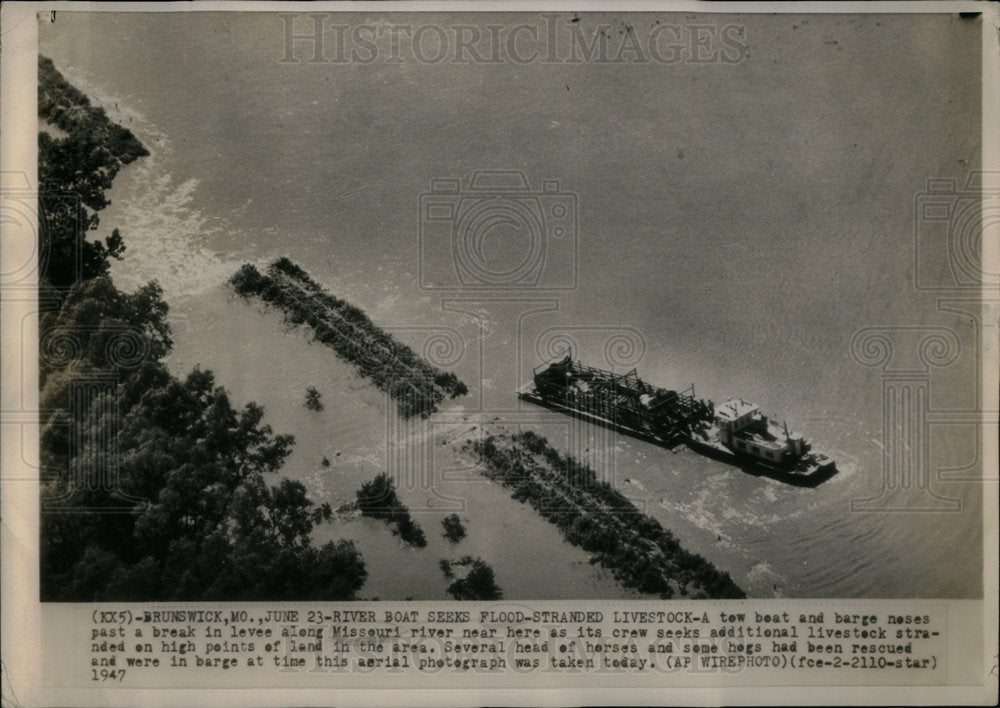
column 454, row 531
column 313, row 401
column 478, row 583
column 377, row 499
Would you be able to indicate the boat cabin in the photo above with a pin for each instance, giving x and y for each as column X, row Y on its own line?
column 735, row 415
column 744, row 429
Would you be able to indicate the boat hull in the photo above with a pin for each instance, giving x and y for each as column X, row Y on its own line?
column 811, row 475
column 531, row 395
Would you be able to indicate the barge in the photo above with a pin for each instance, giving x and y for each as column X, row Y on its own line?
column 735, row 432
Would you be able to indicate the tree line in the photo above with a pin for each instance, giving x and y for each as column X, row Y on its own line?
column 154, row 487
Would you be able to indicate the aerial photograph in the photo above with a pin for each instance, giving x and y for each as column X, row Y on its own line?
column 519, row 306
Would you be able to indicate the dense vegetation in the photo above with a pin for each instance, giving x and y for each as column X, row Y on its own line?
column 454, row 531
column 416, row 386
column 157, row 484
column 378, row 500
column 598, row 518
column 74, row 173
column 477, row 582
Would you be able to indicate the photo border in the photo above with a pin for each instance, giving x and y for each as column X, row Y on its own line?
column 24, row 678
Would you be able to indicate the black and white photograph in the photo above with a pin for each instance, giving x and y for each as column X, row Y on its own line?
column 456, row 306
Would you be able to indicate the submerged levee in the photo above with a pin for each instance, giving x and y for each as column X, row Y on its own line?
column 417, row 386
column 598, row 518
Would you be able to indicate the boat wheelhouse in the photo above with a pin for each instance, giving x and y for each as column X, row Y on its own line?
column 745, row 430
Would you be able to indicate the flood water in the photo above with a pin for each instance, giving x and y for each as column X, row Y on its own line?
column 738, row 225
